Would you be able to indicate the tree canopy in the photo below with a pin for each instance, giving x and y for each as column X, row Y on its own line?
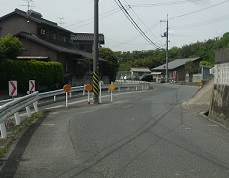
column 10, row 47
column 110, row 68
column 153, row 58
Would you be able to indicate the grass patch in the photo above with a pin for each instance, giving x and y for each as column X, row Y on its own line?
column 11, row 137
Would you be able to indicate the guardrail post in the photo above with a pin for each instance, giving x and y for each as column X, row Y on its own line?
column 3, row 130
column 17, row 118
column 35, row 106
column 128, row 88
column 136, row 88
column 28, row 111
column 54, row 98
column 119, row 88
column 84, row 89
column 70, row 94
column 100, row 92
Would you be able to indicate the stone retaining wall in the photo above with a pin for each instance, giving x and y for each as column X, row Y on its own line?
column 219, row 109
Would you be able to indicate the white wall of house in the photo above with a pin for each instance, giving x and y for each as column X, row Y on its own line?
column 221, row 74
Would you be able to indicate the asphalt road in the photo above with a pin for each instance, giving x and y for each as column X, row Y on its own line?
column 141, row 134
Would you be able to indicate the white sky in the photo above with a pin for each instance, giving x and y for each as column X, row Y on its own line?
column 120, row 35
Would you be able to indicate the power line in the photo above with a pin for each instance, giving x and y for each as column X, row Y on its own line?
column 135, row 24
column 92, row 19
column 203, row 23
column 142, row 21
column 162, row 4
column 223, row 2
column 107, row 14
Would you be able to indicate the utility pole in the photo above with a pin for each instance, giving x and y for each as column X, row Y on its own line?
column 96, row 54
column 166, row 34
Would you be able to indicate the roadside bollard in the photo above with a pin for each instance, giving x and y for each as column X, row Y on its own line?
column 17, row 118
column 28, row 111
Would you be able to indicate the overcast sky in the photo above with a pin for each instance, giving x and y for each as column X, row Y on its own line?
column 189, row 20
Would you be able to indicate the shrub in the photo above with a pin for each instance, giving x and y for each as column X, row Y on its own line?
column 45, row 74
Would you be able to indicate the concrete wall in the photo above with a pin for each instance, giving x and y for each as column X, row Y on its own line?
column 219, row 109
column 195, row 78
column 222, row 55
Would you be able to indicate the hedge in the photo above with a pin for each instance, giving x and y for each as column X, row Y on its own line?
column 46, row 74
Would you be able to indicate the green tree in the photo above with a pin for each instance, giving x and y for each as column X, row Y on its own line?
column 110, row 68
column 206, row 63
column 175, row 53
column 10, row 47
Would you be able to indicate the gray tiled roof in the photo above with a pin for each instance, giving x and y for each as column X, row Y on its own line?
column 139, row 69
column 86, row 37
column 55, row 46
column 39, row 20
column 174, row 64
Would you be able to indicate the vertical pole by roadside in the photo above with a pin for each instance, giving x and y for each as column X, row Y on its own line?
column 66, row 96
column 111, row 96
column 88, row 97
column 100, row 93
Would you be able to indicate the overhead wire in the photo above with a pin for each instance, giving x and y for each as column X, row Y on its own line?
column 223, row 2
column 162, row 4
column 203, row 23
column 142, row 21
column 136, row 26
column 103, row 15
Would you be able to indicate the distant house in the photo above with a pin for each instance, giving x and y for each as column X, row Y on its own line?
column 45, row 40
column 176, row 68
column 139, row 71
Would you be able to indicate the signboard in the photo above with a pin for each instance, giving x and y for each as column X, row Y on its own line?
column 32, row 85
column 112, row 87
column 67, row 88
column 12, row 88
column 88, row 87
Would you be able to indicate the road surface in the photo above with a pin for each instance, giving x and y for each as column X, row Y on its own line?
column 142, row 134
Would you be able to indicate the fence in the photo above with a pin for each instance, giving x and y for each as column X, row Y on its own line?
column 13, row 107
column 221, row 74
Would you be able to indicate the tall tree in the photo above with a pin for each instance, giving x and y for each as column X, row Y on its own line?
column 110, row 68
column 10, row 47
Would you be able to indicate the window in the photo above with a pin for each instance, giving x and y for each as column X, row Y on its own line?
column 42, row 32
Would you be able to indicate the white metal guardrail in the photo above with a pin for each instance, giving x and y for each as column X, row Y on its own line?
column 5, row 101
column 13, row 106
column 60, row 92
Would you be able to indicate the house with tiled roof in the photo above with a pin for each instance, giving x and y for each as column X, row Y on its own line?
column 176, row 68
column 138, row 72
column 45, row 40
